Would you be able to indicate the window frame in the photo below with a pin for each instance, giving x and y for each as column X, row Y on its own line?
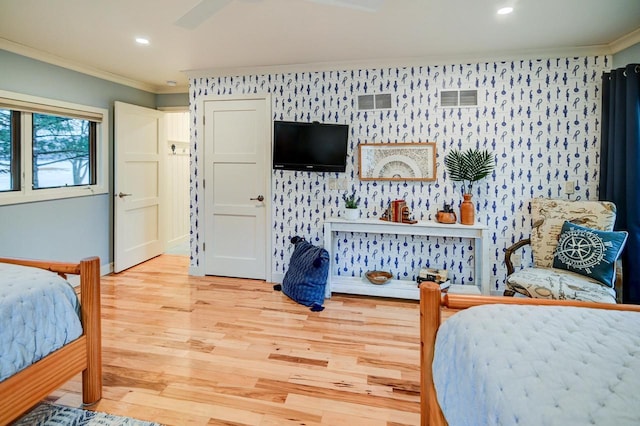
column 26, row 193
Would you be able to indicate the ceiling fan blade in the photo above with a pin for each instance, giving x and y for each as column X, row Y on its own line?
column 200, row 13
column 366, row 5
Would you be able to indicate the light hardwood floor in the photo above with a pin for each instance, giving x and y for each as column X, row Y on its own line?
column 184, row 350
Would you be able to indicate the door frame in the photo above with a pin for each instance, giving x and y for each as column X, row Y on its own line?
column 199, row 269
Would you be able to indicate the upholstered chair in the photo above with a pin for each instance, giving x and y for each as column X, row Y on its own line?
column 572, row 258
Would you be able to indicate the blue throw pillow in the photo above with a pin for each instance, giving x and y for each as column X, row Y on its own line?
column 589, row 252
column 306, row 278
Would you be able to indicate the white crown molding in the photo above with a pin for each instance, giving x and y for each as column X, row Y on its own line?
column 598, row 50
column 625, row 41
column 74, row 66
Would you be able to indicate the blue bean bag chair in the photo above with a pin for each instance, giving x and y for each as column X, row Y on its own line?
column 306, row 278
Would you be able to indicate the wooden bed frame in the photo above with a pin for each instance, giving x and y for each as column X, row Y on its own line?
column 431, row 302
column 26, row 388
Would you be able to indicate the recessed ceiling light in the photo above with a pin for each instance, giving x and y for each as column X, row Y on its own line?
column 142, row 40
column 505, row 11
column 171, row 83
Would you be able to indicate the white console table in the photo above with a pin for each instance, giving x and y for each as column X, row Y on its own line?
column 402, row 288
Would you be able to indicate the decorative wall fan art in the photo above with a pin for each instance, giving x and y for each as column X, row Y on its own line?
column 398, row 161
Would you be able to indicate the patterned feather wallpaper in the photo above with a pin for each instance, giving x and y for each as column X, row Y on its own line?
column 540, row 118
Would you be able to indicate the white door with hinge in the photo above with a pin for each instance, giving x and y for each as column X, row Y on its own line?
column 237, row 155
column 139, row 157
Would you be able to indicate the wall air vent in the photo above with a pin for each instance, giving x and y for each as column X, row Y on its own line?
column 468, row 98
column 368, row 102
column 449, row 98
column 383, row 101
column 458, row 98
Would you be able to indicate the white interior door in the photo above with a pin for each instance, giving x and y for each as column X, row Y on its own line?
column 139, row 154
column 237, row 145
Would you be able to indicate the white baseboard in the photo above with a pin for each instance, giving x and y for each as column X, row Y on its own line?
column 277, row 278
column 106, row 269
column 177, row 241
column 196, row 271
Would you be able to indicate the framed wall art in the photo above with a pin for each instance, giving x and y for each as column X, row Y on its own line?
column 398, row 161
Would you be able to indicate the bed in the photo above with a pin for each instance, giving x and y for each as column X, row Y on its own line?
column 582, row 367
column 28, row 386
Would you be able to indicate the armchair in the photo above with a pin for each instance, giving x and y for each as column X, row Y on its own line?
column 544, row 280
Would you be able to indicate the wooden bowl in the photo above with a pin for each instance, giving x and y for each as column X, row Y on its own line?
column 378, row 277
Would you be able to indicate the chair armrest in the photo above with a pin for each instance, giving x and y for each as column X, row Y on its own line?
column 512, row 249
column 618, row 284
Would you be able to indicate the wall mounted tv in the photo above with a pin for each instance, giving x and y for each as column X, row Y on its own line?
column 313, row 147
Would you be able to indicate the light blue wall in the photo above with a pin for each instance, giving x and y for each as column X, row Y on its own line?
column 172, row 100
column 630, row 55
column 70, row 229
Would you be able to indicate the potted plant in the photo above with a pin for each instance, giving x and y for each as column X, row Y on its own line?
column 351, row 203
column 468, row 167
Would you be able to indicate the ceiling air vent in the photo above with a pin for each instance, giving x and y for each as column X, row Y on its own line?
column 455, row 98
column 381, row 101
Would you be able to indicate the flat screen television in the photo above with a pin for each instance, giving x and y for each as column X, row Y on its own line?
column 313, row 147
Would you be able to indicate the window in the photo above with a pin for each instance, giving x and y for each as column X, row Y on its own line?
column 50, row 149
column 62, row 151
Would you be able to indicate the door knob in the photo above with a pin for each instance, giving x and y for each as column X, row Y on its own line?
column 122, row 195
column 259, row 198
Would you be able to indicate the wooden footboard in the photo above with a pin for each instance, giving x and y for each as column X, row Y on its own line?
column 430, row 317
column 23, row 390
column 431, row 302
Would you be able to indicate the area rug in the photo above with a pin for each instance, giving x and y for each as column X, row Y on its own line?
column 47, row 414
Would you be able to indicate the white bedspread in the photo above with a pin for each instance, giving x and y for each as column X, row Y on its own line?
column 38, row 314
column 517, row 365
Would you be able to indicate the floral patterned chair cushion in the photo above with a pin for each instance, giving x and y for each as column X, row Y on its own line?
column 551, row 283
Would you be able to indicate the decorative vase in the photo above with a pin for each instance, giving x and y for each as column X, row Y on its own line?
column 351, row 214
column 467, row 210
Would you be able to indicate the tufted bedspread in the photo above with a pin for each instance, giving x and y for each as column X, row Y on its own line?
column 39, row 313
column 543, row 365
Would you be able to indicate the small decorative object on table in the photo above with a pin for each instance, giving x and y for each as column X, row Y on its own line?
column 447, row 215
column 439, row 276
column 378, row 277
column 398, row 211
column 351, row 211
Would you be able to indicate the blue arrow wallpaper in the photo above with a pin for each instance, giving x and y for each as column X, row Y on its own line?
column 540, row 117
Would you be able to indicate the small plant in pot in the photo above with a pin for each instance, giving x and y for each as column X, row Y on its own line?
column 351, row 202
column 468, row 167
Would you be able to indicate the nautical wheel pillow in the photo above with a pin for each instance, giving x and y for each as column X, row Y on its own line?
column 589, row 252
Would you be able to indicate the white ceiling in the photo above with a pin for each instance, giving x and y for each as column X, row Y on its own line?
column 97, row 36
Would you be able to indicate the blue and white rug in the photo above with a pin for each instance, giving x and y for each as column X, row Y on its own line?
column 47, row 414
